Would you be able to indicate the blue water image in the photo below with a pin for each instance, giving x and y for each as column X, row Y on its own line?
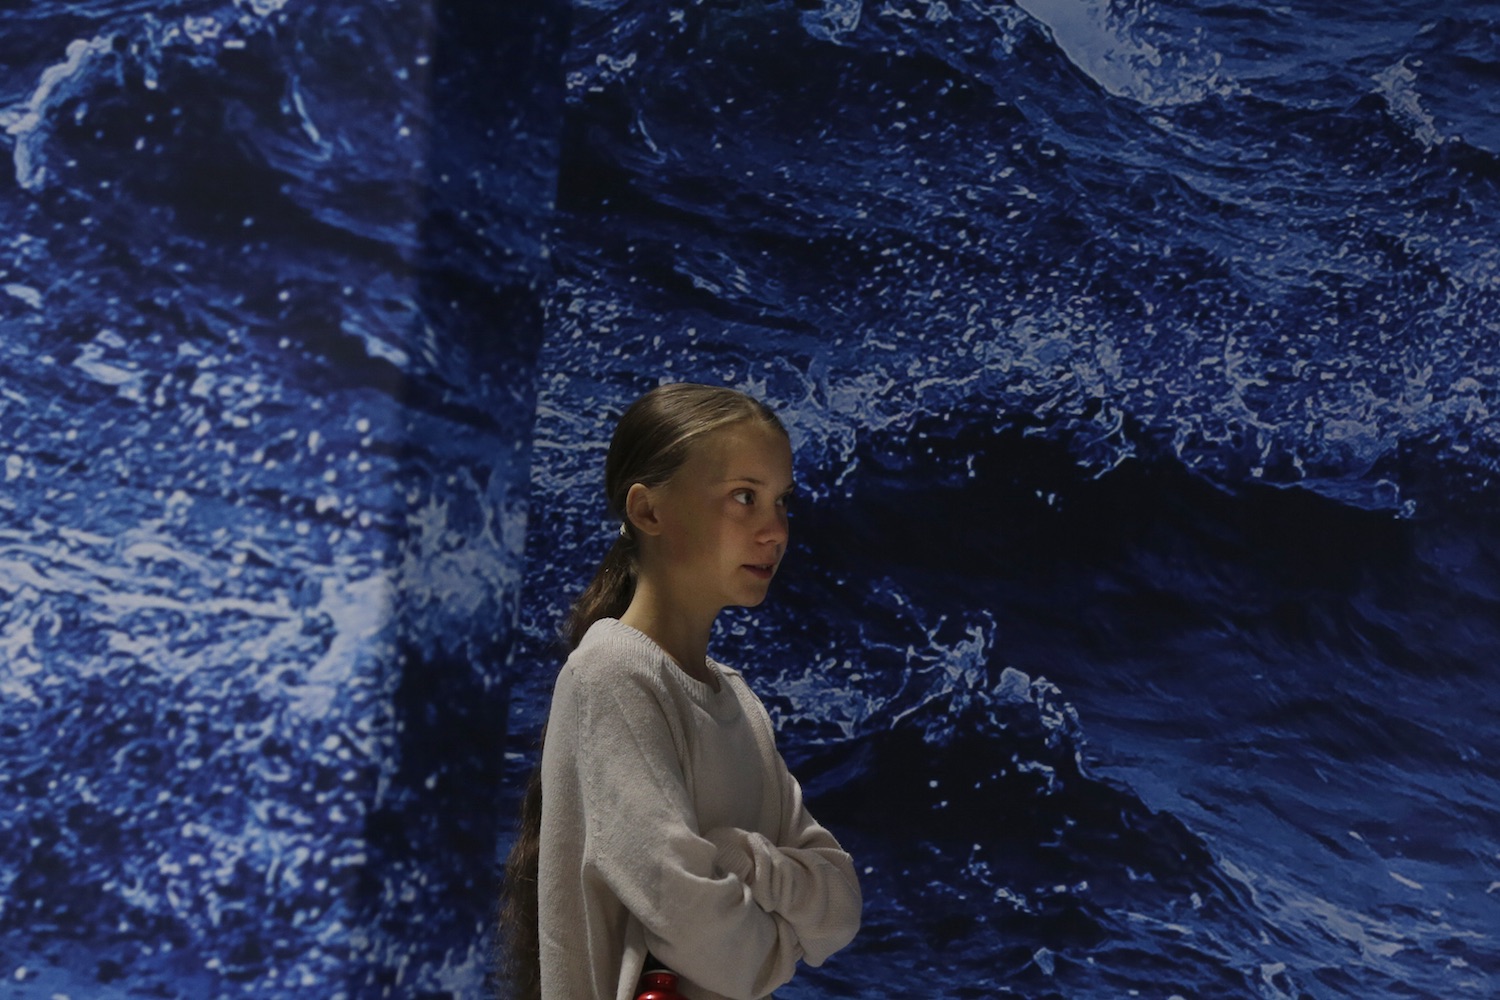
column 1140, row 630
column 271, row 284
column 1142, row 361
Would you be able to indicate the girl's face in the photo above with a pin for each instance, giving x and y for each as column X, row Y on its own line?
column 723, row 517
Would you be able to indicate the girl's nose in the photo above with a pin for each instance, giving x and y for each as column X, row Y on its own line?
column 776, row 529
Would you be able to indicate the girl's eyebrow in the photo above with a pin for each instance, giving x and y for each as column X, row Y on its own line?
column 755, row 482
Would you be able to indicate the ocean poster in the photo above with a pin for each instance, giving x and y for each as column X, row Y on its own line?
column 1139, row 631
column 1142, row 364
column 271, row 291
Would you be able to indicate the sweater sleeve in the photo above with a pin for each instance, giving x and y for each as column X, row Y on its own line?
column 804, row 876
column 642, row 841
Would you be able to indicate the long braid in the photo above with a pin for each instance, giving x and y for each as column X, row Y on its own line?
column 519, row 946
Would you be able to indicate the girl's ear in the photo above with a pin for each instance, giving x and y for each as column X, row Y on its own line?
column 640, row 509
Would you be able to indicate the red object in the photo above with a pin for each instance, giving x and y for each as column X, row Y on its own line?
column 658, row 984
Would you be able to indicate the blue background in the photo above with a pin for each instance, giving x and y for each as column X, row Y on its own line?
column 1143, row 366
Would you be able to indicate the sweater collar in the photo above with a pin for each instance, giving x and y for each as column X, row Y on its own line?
column 715, row 701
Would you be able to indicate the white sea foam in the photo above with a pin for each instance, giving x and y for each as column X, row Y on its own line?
column 360, row 611
column 25, row 293
column 834, row 20
column 29, row 123
column 1125, row 59
column 1397, row 85
column 263, row 8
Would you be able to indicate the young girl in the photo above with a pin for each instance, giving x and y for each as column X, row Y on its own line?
column 661, row 818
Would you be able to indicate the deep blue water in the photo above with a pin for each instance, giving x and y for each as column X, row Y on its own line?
column 270, row 301
column 1139, row 635
column 1143, row 364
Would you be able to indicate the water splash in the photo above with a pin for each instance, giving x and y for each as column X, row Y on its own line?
column 1397, row 86
column 30, row 124
column 834, row 20
column 1115, row 47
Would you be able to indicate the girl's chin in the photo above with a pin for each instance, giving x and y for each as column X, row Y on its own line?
column 751, row 600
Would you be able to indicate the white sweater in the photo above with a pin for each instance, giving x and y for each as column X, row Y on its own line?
column 671, row 824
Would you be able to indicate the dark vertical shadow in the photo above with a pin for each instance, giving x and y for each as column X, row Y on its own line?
column 426, row 896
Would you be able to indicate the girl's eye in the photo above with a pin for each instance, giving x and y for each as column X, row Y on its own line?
column 746, row 497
